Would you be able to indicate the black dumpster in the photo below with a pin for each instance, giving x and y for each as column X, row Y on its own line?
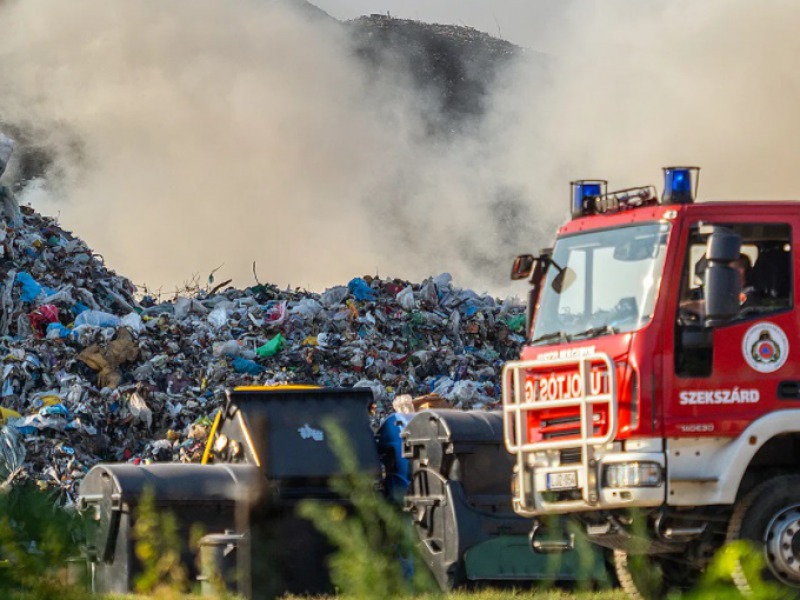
column 270, row 449
column 284, row 432
column 194, row 494
column 460, row 503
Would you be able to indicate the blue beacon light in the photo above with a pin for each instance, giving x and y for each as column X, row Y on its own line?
column 680, row 185
column 584, row 193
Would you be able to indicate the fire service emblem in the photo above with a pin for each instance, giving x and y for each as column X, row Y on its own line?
column 765, row 347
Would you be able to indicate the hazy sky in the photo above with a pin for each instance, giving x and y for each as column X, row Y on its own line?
column 191, row 134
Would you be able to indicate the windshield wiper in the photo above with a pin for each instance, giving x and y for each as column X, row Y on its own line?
column 595, row 331
column 556, row 335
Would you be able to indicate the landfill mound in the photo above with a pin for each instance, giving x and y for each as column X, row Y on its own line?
column 92, row 372
column 454, row 65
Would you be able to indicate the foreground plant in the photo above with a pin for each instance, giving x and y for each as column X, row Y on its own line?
column 374, row 544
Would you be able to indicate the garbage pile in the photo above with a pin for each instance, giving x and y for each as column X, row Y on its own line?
column 91, row 372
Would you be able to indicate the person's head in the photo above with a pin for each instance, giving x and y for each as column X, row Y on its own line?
column 743, row 265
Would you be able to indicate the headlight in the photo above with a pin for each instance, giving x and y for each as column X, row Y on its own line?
column 632, row 474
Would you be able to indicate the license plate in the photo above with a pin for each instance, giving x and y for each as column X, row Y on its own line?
column 565, row 480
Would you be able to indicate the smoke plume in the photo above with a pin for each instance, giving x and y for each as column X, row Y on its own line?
column 189, row 134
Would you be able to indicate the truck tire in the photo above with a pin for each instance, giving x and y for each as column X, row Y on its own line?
column 655, row 577
column 769, row 517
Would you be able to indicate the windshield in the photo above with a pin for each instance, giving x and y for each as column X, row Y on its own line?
column 601, row 282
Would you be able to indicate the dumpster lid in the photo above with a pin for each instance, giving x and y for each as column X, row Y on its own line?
column 283, row 429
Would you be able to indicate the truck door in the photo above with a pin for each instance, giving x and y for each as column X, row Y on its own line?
column 727, row 376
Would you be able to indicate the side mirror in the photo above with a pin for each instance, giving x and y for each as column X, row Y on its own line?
column 722, row 283
column 523, row 267
column 565, row 278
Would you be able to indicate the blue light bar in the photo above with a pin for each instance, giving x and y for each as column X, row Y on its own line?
column 680, row 185
column 584, row 193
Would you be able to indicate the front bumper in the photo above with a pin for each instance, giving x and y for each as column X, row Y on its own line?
column 534, row 498
column 565, row 474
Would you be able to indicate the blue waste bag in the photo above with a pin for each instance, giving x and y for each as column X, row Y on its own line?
column 30, row 289
column 57, row 410
column 248, row 367
column 79, row 308
column 96, row 318
column 62, row 332
column 361, row 290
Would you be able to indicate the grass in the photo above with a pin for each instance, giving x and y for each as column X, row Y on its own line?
column 489, row 593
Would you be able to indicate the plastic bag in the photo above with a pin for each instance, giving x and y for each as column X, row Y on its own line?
column 428, row 295
column 443, row 281
column 96, row 318
column 232, row 348
column 30, row 289
column 247, row 367
column 406, row 299
column 133, row 322
column 334, row 296
column 275, row 313
column 361, row 290
column 56, row 331
column 218, row 317
column 184, row 306
column 272, row 347
column 139, row 409
column 307, row 308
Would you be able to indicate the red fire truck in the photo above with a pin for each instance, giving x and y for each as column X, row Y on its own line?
column 657, row 399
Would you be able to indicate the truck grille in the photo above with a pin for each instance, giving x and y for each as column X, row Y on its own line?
column 570, row 455
column 567, row 426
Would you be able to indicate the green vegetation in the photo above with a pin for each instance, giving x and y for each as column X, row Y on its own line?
column 37, row 539
column 39, row 542
column 159, row 550
column 374, row 540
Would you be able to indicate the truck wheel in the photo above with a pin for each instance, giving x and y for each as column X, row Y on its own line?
column 769, row 517
column 652, row 577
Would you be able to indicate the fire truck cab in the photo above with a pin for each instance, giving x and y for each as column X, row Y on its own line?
column 657, row 399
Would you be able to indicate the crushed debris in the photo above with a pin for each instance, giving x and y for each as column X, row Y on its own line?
column 92, row 373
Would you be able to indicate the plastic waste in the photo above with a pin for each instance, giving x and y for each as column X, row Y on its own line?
column 516, row 323
column 96, row 318
column 12, row 452
column 406, row 299
column 218, row 317
column 30, row 288
column 139, row 409
column 133, row 322
column 275, row 313
column 185, row 306
column 169, row 359
column 334, row 296
column 41, row 317
column 272, row 347
column 361, row 290
column 232, row 348
column 307, row 308
column 248, row 367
